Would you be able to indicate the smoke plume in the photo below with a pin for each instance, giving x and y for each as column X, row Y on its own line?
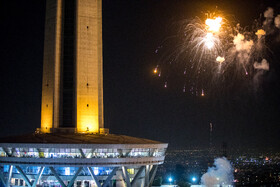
column 262, row 66
column 241, row 44
column 218, row 175
column 277, row 21
column 243, row 47
column 268, row 13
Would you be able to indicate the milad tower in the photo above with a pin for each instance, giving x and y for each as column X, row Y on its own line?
column 72, row 147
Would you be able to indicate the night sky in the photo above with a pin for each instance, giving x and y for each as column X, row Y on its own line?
column 135, row 101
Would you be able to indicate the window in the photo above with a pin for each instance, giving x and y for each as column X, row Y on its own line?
column 130, row 171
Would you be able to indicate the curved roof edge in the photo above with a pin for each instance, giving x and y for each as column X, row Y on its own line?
column 75, row 138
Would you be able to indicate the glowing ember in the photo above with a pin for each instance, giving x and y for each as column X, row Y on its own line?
column 155, row 70
column 220, row 59
column 260, row 33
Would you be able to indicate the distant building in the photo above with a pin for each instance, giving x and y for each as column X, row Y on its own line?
column 72, row 147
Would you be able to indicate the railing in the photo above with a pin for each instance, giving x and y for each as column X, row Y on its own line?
column 68, row 153
column 82, row 161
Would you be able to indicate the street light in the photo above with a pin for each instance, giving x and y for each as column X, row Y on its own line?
column 194, row 179
column 170, row 180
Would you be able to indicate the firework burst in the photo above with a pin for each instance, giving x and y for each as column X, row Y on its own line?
column 213, row 50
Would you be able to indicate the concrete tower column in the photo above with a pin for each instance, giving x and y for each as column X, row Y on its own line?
column 89, row 71
column 72, row 90
column 51, row 66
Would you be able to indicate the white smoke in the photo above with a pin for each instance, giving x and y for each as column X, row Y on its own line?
column 270, row 23
column 219, row 175
column 241, row 44
column 264, row 65
column 258, row 77
column 243, row 47
column 268, row 13
column 277, row 21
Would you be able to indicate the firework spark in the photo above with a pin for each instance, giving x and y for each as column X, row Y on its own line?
column 209, row 40
column 260, row 33
column 220, row 59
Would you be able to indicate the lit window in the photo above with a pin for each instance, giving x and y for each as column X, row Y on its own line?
column 67, row 171
column 95, row 171
column 131, row 171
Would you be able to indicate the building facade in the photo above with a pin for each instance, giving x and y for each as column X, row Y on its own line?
column 90, row 160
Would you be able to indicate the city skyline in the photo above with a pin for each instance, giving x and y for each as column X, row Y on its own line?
column 135, row 102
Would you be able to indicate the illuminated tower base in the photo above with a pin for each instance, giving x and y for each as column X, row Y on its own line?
column 79, row 160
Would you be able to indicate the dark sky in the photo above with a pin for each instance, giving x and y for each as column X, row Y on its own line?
column 135, row 102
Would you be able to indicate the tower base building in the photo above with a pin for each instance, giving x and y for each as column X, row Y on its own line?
column 79, row 160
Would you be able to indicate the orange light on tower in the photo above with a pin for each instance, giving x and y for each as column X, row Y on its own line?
column 87, row 116
column 46, row 120
column 89, row 72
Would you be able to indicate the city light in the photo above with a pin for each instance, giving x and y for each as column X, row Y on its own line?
column 67, row 170
column 170, row 179
column 95, row 171
column 194, row 179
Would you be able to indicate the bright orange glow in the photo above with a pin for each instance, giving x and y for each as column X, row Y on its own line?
column 202, row 93
column 46, row 118
column 266, row 158
column 87, row 115
column 260, row 33
column 214, row 25
column 88, row 124
column 155, row 70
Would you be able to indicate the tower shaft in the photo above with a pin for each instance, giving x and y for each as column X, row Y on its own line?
column 72, row 89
